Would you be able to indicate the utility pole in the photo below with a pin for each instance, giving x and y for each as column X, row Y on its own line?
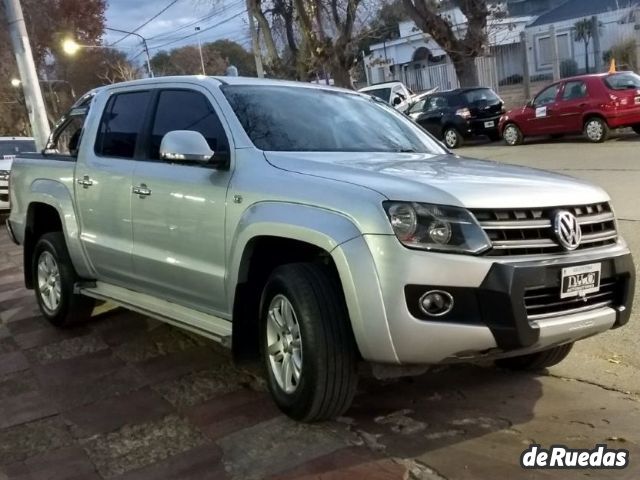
column 200, row 49
column 554, row 53
column 255, row 41
column 637, row 37
column 28, row 74
column 526, row 79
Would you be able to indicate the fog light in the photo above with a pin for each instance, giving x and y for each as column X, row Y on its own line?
column 436, row 303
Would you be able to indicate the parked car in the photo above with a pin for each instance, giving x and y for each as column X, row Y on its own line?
column 313, row 228
column 9, row 148
column 395, row 94
column 591, row 104
column 456, row 115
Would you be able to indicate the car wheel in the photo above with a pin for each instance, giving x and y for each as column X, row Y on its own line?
column 452, row 138
column 538, row 360
column 308, row 346
column 596, row 130
column 636, row 128
column 512, row 134
column 54, row 281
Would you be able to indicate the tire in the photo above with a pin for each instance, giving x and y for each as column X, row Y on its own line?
column 538, row 360
column 323, row 352
column 596, row 130
column 512, row 134
column 636, row 128
column 452, row 138
column 54, row 280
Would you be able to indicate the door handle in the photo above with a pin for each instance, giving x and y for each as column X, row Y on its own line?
column 85, row 181
column 142, row 191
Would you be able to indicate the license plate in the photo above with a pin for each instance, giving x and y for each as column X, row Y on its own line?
column 581, row 280
column 489, row 124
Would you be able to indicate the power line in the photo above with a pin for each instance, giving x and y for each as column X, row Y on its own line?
column 171, row 4
column 201, row 31
column 203, row 19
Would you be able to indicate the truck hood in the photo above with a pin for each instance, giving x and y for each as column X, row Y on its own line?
column 443, row 179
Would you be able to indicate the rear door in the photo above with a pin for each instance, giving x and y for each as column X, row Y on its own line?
column 103, row 182
column 574, row 101
column 544, row 120
column 178, row 227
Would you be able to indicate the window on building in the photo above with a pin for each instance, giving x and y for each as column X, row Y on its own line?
column 545, row 55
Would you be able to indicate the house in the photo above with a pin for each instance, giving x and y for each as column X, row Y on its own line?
column 616, row 19
column 417, row 60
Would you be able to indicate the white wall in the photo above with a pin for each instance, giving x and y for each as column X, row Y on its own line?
column 611, row 33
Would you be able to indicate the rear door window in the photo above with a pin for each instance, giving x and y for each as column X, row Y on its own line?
column 574, row 90
column 121, row 124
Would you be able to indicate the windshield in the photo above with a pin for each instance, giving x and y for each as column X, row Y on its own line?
column 298, row 119
column 623, row 81
column 14, row 147
column 381, row 93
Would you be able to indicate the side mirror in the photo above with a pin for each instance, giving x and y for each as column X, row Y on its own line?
column 530, row 103
column 187, row 146
column 397, row 100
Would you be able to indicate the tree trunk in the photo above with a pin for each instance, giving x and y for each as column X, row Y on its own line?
column 341, row 75
column 586, row 57
column 466, row 70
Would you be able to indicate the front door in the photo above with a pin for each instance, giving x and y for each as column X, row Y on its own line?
column 178, row 226
column 103, row 185
column 544, row 117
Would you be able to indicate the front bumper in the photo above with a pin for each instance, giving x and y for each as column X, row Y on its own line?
column 489, row 319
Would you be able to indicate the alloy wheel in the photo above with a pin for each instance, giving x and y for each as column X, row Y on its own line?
column 284, row 344
column 49, row 285
column 594, row 130
column 451, row 138
column 511, row 135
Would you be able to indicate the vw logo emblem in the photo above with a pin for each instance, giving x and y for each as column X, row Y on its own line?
column 567, row 230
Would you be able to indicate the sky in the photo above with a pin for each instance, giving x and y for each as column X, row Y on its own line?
column 217, row 19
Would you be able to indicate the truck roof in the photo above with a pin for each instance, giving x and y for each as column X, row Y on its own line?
column 220, row 80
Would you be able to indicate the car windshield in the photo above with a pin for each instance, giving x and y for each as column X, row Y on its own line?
column 282, row 118
column 381, row 93
column 623, row 81
column 14, row 147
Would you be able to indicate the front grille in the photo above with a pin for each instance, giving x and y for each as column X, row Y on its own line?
column 530, row 231
column 543, row 302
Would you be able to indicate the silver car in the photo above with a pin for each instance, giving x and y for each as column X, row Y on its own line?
column 314, row 228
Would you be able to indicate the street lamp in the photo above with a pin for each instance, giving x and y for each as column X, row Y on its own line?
column 15, row 82
column 200, row 48
column 71, row 47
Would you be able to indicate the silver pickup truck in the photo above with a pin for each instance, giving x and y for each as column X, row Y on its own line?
column 313, row 228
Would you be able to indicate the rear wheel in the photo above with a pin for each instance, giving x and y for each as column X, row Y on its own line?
column 452, row 138
column 55, row 279
column 596, row 130
column 538, row 360
column 512, row 134
column 308, row 347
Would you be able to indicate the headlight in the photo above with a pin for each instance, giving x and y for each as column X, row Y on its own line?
column 4, row 174
column 436, row 227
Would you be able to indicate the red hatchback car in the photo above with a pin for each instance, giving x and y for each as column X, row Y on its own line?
column 591, row 104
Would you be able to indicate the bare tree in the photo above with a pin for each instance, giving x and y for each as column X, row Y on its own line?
column 120, row 71
column 462, row 50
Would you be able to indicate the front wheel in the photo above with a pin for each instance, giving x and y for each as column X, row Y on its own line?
column 596, row 130
column 54, row 281
column 452, row 138
column 308, row 345
column 512, row 134
column 538, row 360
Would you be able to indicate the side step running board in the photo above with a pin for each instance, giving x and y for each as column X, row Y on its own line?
column 209, row 326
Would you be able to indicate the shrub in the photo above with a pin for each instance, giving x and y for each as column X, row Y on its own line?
column 568, row 68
